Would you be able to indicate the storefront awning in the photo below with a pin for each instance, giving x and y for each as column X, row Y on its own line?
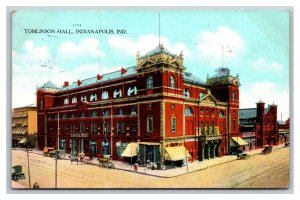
column 23, row 141
column 239, row 141
column 176, row 153
column 149, row 143
column 131, row 150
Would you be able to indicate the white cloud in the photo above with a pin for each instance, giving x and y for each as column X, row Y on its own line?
column 210, row 45
column 261, row 64
column 35, row 53
column 144, row 44
column 25, row 79
column 87, row 46
column 268, row 92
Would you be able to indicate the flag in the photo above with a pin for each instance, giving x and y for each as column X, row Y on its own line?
column 79, row 82
column 99, row 77
column 123, row 71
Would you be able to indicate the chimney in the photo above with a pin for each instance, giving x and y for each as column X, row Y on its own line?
column 79, row 82
column 66, row 83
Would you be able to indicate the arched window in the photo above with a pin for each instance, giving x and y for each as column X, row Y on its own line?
column 131, row 91
column 201, row 95
column 201, row 110
column 120, row 111
column 105, row 95
column 221, row 113
column 81, row 114
column 93, row 97
column 94, row 114
column 233, row 95
column 66, row 101
column 173, row 123
column 172, row 82
column 149, row 82
column 117, row 93
column 186, row 93
column 106, row 112
column 188, row 111
column 74, row 99
column 83, row 98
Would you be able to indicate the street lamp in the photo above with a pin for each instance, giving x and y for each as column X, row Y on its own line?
column 183, row 107
column 56, row 155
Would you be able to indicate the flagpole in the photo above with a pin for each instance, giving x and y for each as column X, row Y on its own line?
column 222, row 54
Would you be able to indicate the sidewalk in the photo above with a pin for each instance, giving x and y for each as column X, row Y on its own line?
column 168, row 173
column 192, row 166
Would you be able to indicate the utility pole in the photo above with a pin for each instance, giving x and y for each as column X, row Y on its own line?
column 186, row 160
column 56, row 154
column 28, row 162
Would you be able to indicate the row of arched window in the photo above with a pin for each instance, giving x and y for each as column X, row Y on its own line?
column 187, row 94
column 102, row 112
column 105, row 95
column 189, row 111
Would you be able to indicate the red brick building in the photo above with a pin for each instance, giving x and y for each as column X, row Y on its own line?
column 284, row 131
column 258, row 126
column 157, row 106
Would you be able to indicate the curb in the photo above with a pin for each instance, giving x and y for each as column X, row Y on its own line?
column 169, row 176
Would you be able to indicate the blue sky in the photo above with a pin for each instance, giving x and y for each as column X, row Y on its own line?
column 256, row 46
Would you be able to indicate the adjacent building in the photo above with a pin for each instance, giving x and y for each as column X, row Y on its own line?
column 155, row 111
column 24, row 124
column 284, row 131
column 258, row 126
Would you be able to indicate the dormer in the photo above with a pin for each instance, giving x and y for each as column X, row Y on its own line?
column 159, row 58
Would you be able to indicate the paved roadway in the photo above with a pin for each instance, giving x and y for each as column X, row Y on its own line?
column 260, row 171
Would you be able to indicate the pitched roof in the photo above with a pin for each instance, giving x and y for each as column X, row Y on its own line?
column 159, row 49
column 221, row 72
column 189, row 77
column 247, row 113
column 105, row 77
column 49, row 85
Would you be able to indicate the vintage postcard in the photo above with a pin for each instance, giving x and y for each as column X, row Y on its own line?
column 150, row 98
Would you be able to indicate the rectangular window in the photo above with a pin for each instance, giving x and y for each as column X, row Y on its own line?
column 133, row 110
column 108, row 127
column 173, row 124
column 150, row 82
column 134, row 128
column 149, row 124
column 94, row 127
column 118, row 128
column 64, row 127
column 104, row 127
column 105, row 148
column 82, row 127
column 123, row 128
column 120, row 148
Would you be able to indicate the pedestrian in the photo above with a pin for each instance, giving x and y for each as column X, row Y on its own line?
column 36, row 186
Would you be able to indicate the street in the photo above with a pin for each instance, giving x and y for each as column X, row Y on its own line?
column 259, row 171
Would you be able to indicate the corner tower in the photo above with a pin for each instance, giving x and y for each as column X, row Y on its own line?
column 225, row 88
column 164, row 67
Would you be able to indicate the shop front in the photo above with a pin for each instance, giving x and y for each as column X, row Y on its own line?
column 149, row 152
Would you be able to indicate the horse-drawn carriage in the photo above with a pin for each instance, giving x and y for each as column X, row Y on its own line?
column 17, row 173
column 49, row 151
column 267, row 149
column 106, row 161
column 242, row 156
column 287, row 144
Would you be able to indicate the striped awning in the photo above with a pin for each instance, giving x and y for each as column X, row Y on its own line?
column 131, row 150
column 239, row 141
column 176, row 153
column 23, row 141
